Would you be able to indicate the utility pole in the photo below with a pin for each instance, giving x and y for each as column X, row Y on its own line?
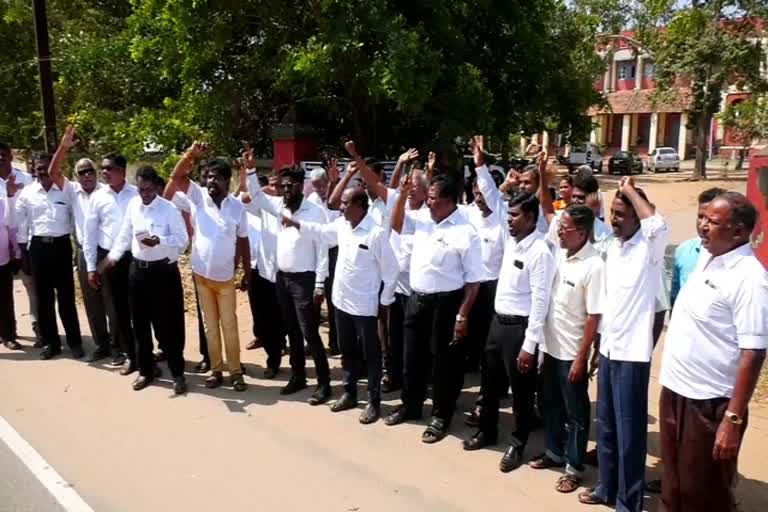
column 46, row 76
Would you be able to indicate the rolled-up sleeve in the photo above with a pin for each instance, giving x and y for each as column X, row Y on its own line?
column 656, row 233
column 178, row 236
column 750, row 313
column 542, row 270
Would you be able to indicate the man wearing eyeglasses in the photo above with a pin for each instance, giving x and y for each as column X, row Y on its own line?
column 102, row 225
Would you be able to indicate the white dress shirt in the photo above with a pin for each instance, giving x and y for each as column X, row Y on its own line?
column 216, row 232
column 294, row 252
column 445, row 256
column 81, row 208
column 266, row 254
column 525, row 284
column 41, row 213
column 577, row 292
column 721, row 310
column 402, row 245
column 159, row 218
column 331, row 215
column 366, row 260
column 254, row 237
column 22, row 180
column 102, row 224
column 632, row 283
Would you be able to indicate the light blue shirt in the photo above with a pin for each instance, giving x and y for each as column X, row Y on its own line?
column 686, row 256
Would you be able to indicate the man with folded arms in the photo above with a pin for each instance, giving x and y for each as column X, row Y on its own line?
column 153, row 230
column 446, row 269
column 365, row 261
column 220, row 242
column 713, row 353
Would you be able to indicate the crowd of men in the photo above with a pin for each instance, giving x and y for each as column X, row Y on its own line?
column 420, row 288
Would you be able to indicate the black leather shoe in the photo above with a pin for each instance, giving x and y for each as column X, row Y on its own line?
column 271, row 373
column 370, row 414
column 400, row 415
column 478, row 441
column 435, row 431
column 141, row 382
column 128, row 367
column 294, row 385
column 473, row 420
column 215, row 380
column 98, row 355
column 49, row 352
column 118, row 360
column 179, row 385
column 77, row 352
column 12, row 345
column 512, row 459
column 202, row 367
column 344, row 403
column 238, row 383
column 321, row 395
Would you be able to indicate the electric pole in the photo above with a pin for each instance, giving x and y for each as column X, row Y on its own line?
column 46, row 76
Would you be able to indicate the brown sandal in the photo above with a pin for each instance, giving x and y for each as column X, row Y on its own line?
column 544, row 461
column 590, row 497
column 567, row 484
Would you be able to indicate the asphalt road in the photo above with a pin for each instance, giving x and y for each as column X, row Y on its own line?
column 20, row 490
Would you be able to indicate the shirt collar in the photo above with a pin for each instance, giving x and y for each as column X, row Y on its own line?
column 636, row 238
column 366, row 224
column 734, row 256
column 452, row 218
column 585, row 252
column 526, row 242
column 151, row 205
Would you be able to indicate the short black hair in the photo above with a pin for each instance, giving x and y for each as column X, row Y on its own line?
column 568, row 179
column 624, row 199
column 742, row 211
column 582, row 216
column 359, row 196
column 528, row 203
column 4, row 146
column 160, row 182
column 147, row 172
column 587, row 183
column 447, row 188
column 263, row 181
column 293, row 173
column 708, row 195
column 118, row 159
column 41, row 155
column 220, row 166
column 374, row 165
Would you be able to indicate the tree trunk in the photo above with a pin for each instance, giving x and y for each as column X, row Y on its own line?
column 702, row 129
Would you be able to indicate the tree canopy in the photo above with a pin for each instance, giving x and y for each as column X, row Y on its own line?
column 386, row 72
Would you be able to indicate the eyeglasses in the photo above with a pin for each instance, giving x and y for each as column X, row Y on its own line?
column 561, row 229
column 84, row 172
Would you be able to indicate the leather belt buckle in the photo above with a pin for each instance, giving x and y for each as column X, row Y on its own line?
column 142, row 264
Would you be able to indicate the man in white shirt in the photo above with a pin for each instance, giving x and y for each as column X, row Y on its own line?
column 9, row 252
column 95, row 308
column 633, row 269
column 322, row 185
column 366, row 260
column 520, row 306
column 302, row 265
column 102, row 225
column 153, row 230
column 713, row 353
column 20, row 179
column 221, row 238
column 44, row 221
column 570, row 330
column 446, row 268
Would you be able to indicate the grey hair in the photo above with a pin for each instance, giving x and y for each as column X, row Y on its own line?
column 85, row 162
column 420, row 177
column 318, row 173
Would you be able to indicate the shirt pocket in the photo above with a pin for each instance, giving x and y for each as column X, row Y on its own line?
column 705, row 299
column 60, row 212
column 569, row 293
column 440, row 250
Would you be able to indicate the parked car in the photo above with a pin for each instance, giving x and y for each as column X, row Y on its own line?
column 665, row 159
column 625, row 162
column 588, row 154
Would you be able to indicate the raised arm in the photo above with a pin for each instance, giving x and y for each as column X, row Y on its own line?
column 405, row 159
column 369, row 177
column 545, row 198
column 334, row 200
column 398, row 212
column 642, row 207
column 180, row 174
column 485, row 181
column 389, row 268
column 68, row 141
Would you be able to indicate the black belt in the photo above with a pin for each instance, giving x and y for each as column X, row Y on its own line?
column 50, row 239
column 511, row 319
column 143, row 264
column 436, row 295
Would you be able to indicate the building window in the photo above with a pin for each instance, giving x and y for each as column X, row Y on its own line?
column 648, row 71
column 626, row 70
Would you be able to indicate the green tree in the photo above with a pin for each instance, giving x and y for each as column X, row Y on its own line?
column 749, row 121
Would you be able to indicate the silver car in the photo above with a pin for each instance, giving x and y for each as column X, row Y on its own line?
column 664, row 159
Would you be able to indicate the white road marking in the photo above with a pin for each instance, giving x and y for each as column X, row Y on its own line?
column 62, row 491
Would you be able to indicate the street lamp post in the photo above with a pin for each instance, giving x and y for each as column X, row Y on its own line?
column 46, row 76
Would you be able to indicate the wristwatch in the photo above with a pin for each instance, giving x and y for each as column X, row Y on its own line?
column 460, row 319
column 734, row 418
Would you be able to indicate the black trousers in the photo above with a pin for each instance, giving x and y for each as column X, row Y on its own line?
column 7, row 309
column 267, row 317
column 51, row 262
column 505, row 339
column 115, row 292
column 429, row 322
column 202, row 340
column 479, row 324
column 95, row 306
column 393, row 356
column 294, row 294
column 359, row 341
column 157, row 303
column 333, row 255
